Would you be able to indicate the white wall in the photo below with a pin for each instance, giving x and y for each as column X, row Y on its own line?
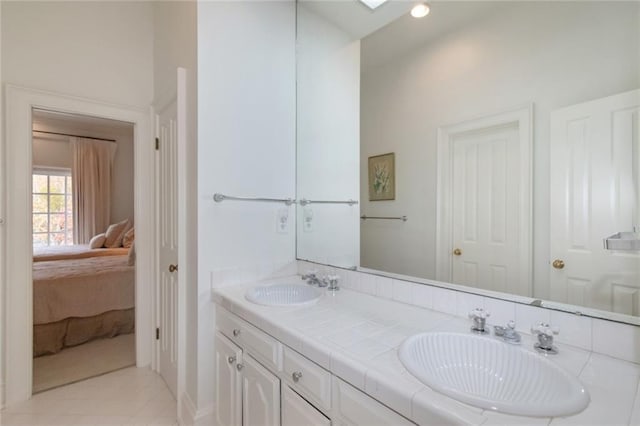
column 551, row 54
column 328, row 84
column 175, row 45
column 246, row 147
column 99, row 50
column 49, row 152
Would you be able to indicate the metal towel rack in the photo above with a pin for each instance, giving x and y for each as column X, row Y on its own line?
column 304, row 202
column 402, row 218
column 218, row 198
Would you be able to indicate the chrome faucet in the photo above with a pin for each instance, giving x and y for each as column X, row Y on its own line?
column 508, row 333
column 545, row 334
column 312, row 278
column 479, row 317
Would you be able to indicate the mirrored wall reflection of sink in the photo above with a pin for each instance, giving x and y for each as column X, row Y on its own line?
column 493, row 375
column 284, row 295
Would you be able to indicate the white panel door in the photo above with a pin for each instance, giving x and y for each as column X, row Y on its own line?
column 486, row 209
column 167, row 234
column 260, row 395
column 595, row 173
column 228, row 383
column 296, row 411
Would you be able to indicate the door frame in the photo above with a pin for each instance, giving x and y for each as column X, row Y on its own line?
column 18, row 342
column 523, row 118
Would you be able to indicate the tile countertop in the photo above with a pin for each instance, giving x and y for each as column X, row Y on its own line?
column 356, row 336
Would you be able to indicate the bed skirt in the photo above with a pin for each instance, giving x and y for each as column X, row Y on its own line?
column 52, row 337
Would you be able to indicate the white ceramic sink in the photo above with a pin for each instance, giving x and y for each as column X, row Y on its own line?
column 284, row 295
column 493, row 375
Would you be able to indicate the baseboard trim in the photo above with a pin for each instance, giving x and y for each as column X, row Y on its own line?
column 190, row 415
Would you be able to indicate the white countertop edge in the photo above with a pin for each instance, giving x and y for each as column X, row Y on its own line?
column 405, row 395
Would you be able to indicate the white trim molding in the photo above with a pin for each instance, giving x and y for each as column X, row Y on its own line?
column 18, row 304
column 523, row 118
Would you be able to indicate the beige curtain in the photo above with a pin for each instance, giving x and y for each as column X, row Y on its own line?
column 91, row 180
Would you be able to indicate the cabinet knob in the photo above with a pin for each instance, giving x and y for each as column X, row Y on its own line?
column 297, row 375
column 236, row 332
column 231, row 359
column 239, row 367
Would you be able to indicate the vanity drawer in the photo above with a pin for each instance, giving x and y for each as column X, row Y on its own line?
column 308, row 378
column 259, row 344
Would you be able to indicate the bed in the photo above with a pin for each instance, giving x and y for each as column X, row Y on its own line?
column 79, row 295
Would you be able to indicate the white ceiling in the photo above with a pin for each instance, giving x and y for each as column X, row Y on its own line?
column 65, row 122
column 390, row 31
column 354, row 17
column 407, row 33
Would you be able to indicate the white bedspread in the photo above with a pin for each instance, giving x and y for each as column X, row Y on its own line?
column 81, row 287
column 79, row 251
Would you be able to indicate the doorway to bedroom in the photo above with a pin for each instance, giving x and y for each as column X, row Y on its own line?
column 83, row 247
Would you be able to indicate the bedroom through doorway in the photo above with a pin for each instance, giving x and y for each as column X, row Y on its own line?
column 83, row 235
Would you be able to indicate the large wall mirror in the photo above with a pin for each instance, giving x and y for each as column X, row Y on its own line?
column 493, row 145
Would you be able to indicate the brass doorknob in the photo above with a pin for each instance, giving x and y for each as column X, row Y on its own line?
column 558, row 264
column 457, row 252
column 173, row 268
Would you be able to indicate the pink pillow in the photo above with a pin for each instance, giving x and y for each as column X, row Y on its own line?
column 115, row 233
column 97, row 241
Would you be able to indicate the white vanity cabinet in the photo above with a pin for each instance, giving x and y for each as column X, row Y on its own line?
column 354, row 408
column 261, row 382
column 247, row 394
column 260, row 395
column 296, row 411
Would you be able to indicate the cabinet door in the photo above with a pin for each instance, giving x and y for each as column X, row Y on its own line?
column 354, row 408
column 260, row 395
column 228, row 386
column 296, row 411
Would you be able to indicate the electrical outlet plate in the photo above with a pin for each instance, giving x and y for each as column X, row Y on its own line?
column 307, row 219
column 282, row 221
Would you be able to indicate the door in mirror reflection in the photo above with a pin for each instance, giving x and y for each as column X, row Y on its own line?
column 594, row 189
column 485, row 205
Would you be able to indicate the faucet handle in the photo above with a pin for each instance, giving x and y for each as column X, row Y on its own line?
column 479, row 313
column 332, row 281
column 545, row 334
column 479, row 318
column 545, row 329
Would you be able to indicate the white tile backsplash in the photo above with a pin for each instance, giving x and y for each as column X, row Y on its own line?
column 422, row 295
column 444, row 300
column 465, row 303
column 501, row 311
column 384, row 287
column 575, row 330
column 618, row 340
column 402, row 291
column 527, row 316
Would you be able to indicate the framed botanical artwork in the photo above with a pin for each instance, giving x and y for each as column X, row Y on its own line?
column 382, row 177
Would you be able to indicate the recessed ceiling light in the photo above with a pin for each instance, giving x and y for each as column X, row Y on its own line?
column 372, row 4
column 420, row 10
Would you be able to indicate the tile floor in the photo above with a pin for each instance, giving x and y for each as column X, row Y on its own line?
column 131, row 396
column 84, row 361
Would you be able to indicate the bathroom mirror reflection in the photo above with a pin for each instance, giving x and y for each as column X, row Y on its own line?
column 514, row 133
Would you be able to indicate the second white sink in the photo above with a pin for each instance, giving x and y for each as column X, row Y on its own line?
column 490, row 374
column 284, row 295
